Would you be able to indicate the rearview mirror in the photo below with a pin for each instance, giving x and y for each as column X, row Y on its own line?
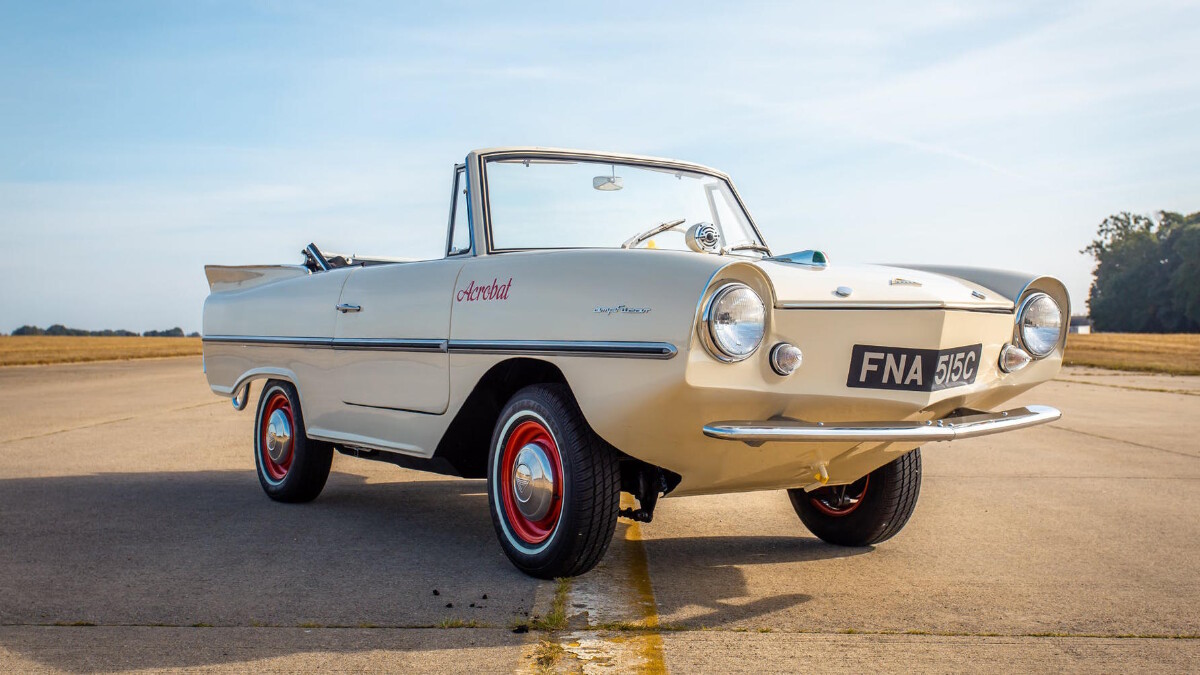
column 608, row 183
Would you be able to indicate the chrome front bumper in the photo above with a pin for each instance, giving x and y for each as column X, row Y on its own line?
column 947, row 429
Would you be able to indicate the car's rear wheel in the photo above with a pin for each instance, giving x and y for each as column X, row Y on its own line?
column 553, row 484
column 870, row 510
column 291, row 466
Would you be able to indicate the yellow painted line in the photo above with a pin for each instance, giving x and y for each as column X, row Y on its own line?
column 622, row 630
column 650, row 644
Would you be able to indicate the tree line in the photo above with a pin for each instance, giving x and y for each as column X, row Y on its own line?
column 1147, row 277
column 59, row 329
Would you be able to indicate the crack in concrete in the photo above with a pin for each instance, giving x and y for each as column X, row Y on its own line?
column 101, row 423
column 633, row 629
column 1130, row 387
column 444, row 625
column 1121, row 440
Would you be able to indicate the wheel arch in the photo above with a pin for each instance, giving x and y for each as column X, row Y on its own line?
column 265, row 373
column 465, row 443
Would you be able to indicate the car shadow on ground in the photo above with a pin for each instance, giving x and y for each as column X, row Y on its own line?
column 209, row 549
column 700, row 578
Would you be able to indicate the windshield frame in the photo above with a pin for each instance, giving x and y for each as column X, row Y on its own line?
column 600, row 158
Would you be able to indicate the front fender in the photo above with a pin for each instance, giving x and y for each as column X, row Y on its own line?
column 1006, row 283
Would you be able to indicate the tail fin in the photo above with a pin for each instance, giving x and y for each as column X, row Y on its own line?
column 223, row 278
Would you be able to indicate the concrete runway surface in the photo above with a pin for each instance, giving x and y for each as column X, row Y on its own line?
column 134, row 536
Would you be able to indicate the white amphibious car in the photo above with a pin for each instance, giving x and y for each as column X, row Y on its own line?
column 606, row 323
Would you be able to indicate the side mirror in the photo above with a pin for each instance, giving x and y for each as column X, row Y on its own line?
column 809, row 257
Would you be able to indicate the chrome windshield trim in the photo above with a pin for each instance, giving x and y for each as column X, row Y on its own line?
column 956, row 306
column 635, row 350
column 500, row 154
column 460, row 173
column 948, row 429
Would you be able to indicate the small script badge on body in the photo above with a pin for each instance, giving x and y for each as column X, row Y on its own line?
column 621, row 309
column 485, row 291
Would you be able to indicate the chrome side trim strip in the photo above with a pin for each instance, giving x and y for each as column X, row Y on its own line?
column 390, row 345
column 358, row 344
column 264, row 341
column 369, row 443
column 964, row 307
column 948, row 429
column 635, row 350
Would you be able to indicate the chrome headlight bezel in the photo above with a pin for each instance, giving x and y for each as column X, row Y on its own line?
column 1023, row 340
column 710, row 337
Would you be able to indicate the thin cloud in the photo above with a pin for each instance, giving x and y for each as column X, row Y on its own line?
column 239, row 134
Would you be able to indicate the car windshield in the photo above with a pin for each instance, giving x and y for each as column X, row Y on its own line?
column 540, row 203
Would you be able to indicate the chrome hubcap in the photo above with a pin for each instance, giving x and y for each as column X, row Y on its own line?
column 533, row 482
column 279, row 436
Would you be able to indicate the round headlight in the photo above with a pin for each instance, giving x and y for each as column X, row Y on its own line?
column 736, row 322
column 1039, row 323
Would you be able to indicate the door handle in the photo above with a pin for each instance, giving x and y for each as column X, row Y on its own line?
column 345, row 307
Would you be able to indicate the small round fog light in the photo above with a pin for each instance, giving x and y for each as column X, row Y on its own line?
column 786, row 358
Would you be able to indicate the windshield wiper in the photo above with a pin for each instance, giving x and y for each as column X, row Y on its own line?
column 657, row 229
column 749, row 247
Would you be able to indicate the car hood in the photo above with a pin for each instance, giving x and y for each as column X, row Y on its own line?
column 800, row 285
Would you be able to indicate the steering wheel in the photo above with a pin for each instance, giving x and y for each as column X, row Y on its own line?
column 638, row 238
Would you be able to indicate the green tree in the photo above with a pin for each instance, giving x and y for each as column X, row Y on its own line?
column 1126, row 291
column 1182, row 241
column 1147, row 276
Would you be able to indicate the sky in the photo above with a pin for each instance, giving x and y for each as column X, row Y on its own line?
column 140, row 141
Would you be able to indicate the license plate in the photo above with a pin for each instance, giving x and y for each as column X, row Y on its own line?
column 873, row 367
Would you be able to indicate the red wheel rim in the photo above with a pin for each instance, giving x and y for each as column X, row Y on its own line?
column 840, row 500
column 530, row 432
column 276, row 469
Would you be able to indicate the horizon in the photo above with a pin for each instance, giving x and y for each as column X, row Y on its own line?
column 145, row 140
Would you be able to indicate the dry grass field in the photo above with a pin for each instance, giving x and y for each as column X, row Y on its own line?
column 1175, row 353
column 25, row 350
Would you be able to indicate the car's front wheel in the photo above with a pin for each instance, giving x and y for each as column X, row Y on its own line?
column 553, row 484
column 870, row 510
column 291, row 466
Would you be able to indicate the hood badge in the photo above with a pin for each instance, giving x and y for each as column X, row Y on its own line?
column 621, row 309
column 979, row 295
column 843, row 291
column 900, row 281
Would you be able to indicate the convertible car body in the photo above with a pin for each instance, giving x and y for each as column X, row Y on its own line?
column 603, row 323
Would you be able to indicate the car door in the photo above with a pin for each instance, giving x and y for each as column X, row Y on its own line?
column 390, row 338
column 393, row 329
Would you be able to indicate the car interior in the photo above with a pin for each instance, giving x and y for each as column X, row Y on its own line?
column 318, row 261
